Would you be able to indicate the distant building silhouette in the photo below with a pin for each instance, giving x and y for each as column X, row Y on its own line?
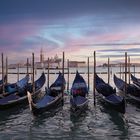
column 77, row 63
column 41, row 56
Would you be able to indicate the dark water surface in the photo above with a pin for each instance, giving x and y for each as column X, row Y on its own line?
column 94, row 123
column 60, row 123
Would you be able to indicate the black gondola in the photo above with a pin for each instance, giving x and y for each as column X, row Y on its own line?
column 52, row 97
column 105, row 88
column 19, row 86
column 135, row 80
column 3, row 80
column 2, row 83
column 132, row 90
column 79, row 91
column 108, row 94
column 19, row 97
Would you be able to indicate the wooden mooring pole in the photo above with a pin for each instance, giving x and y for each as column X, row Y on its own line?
column 33, row 67
column 18, row 72
column 129, row 68
column 125, row 73
column 108, row 71
column 27, row 66
column 63, row 74
column 48, row 73
column 2, row 72
column 94, row 84
column 120, row 70
column 88, row 73
column 68, row 75
column 6, row 70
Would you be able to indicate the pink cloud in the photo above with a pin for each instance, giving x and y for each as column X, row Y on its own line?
column 81, row 45
column 14, row 34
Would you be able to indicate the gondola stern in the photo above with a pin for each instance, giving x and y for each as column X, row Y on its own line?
column 29, row 100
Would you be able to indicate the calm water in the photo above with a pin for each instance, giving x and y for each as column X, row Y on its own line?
column 94, row 123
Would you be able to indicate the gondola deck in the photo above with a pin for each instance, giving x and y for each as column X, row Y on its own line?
column 109, row 95
column 79, row 91
column 52, row 97
column 15, row 99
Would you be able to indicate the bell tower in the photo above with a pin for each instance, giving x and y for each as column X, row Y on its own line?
column 41, row 56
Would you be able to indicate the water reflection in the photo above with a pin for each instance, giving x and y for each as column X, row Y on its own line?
column 60, row 123
column 39, row 118
column 10, row 113
column 78, row 116
column 120, row 122
column 78, row 129
column 45, row 125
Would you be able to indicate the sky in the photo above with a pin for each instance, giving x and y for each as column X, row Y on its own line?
column 77, row 27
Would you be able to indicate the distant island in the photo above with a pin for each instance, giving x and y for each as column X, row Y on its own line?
column 119, row 64
column 54, row 62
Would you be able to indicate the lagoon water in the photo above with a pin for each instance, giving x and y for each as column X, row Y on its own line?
column 95, row 123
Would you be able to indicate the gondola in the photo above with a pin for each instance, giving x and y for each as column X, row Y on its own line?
column 16, row 87
column 52, row 97
column 20, row 97
column 108, row 94
column 79, row 91
column 2, row 82
column 132, row 90
column 105, row 88
column 135, row 80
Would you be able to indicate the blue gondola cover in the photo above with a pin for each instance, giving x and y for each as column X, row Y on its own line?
column 79, row 86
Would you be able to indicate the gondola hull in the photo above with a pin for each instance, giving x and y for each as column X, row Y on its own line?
column 132, row 91
column 13, row 100
column 134, row 98
column 52, row 97
column 120, row 107
column 135, row 80
column 78, row 103
column 48, row 104
column 79, row 90
column 102, row 87
column 16, row 98
column 111, row 99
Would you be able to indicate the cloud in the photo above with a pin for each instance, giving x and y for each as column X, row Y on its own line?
column 121, row 50
column 53, row 9
column 77, row 26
